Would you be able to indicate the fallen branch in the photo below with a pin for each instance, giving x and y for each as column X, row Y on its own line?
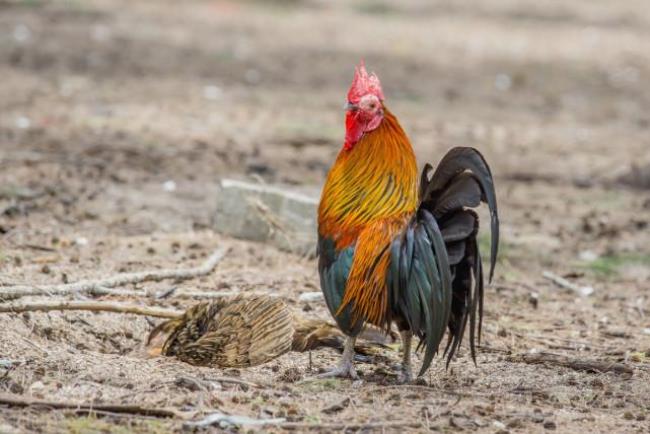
column 232, row 380
column 337, row 406
column 596, row 366
column 226, row 420
column 211, row 294
column 381, row 426
column 11, row 292
column 102, row 290
column 563, row 283
column 19, row 401
column 204, row 383
column 93, row 306
column 170, row 292
column 429, row 389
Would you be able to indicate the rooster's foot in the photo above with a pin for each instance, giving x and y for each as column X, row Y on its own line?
column 344, row 370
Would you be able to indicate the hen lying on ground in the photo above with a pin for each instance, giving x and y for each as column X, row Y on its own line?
column 245, row 331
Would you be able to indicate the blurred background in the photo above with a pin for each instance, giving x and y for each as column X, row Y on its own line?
column 118, row 118
column 139, row 93
column 128, row 113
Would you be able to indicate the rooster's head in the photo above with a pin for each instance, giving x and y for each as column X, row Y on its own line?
column 364, row 108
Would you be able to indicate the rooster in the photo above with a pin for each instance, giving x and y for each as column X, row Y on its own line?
column 397, row 248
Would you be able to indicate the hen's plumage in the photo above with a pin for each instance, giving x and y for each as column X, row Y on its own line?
column 244, row 331
column 229, row 332
column 393, row 252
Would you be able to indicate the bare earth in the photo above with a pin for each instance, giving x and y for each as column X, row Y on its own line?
column 103, row 102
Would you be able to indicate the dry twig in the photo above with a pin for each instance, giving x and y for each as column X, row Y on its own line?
column 597, row 366
column 235, row 381
column 94, row 306
column 11, row 292
column 19, row 401
column 563, row 283
column 380, row 426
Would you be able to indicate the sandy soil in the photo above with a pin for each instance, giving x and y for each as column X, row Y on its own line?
column 103, row 102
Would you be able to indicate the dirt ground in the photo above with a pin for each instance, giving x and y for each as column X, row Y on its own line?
column 107, row 105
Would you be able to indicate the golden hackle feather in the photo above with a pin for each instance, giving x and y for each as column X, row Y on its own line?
column 369, row 196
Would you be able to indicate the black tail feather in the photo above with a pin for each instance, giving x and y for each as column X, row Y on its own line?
column 461, row 181
column 456, row 162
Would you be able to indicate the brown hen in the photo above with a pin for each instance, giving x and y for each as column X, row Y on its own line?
column 245, row 331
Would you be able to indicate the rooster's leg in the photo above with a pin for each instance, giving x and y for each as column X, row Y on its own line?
column 346, row 365
column 406, row 375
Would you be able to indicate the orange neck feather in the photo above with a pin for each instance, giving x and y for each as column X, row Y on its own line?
column 374, row 180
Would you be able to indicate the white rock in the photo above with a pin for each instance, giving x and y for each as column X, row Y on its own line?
column 310, row 296
column 23, row 122
column 37, row 387
column 588, row 256
column 282, row 216
column 586, row 290
column 22, row 33
column 212, row 92
column 503, row 82
column 169, row 186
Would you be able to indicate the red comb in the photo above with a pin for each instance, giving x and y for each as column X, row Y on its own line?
column 364, row 84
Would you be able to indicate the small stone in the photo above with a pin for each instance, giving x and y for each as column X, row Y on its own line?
column 37, row 388
column 21, row 33
column 23, row 122
column 550, row 425
column 503, row 82
column 14, row 387
column 169, row 186
column 310, row 296
column 628, row 415
column 212, row 92
column 537, row 418
column 45, row 269
column 588, row 256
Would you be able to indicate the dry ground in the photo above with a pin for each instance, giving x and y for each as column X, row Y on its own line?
column 102, row 102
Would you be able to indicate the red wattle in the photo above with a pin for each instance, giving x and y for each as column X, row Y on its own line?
column 354, row 128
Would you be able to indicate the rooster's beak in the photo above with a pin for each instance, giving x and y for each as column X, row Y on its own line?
column 348, row 106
